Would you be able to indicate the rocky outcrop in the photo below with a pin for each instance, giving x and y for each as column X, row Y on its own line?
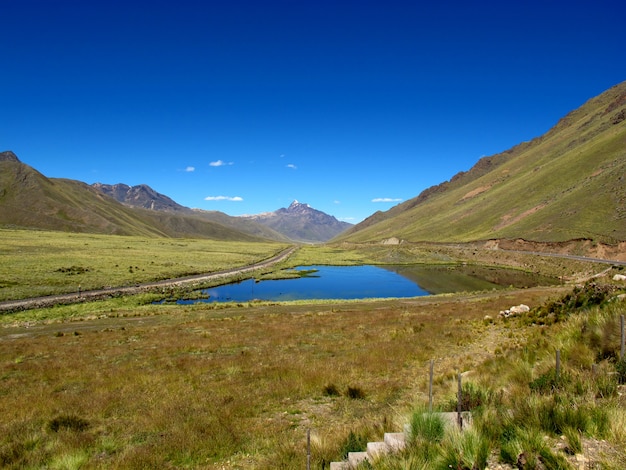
column 8, row 156
column 142, row 196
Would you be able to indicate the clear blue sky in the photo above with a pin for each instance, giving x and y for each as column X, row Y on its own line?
column 242, row 106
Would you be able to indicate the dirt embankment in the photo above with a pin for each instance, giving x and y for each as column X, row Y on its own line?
column 580, row 247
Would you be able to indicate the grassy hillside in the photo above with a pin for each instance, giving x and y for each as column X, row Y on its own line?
column 564, row 185
column 28, row 199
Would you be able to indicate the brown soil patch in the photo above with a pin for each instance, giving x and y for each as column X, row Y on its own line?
column 476, row 192
column 509, row 219
column 580, row 247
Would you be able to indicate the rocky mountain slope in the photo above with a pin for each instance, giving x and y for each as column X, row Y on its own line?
column 301, row 222
column 141, row 196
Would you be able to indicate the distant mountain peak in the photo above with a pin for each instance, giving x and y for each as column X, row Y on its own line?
column 8, row 156
column 301, row 222
column 142, row 196
column 296, row 203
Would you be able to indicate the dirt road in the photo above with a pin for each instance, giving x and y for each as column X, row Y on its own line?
column 48, row 301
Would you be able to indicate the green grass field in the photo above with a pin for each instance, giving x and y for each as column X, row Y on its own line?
column 37, row 263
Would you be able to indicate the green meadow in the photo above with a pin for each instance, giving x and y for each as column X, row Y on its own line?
column 124, row 383
column 38, row 263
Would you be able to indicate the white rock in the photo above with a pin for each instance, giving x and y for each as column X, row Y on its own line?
column 521, row 308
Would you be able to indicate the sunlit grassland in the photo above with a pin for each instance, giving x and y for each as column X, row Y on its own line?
column 528, row 415
column 202, row 386
column 354, row 254
column 124, row 383
column 37, row 263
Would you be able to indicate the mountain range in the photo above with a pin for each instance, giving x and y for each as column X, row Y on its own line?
column 29, row 199
column 567, row 184
column 298, row 222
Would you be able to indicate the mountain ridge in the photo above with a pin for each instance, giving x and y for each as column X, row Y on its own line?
column 28, row 199
column 566, row 184
column 142, row 196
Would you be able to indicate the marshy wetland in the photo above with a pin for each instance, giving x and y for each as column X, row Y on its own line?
column 126, row 383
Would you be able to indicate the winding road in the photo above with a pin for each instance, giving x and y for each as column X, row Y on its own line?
column 62, row 299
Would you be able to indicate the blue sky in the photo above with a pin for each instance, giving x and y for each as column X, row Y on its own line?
column 242, row 107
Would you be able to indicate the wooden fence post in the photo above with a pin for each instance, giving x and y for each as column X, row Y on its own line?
column 430, row 387
column 621, row 355
column 308, row 449
column 459, row 401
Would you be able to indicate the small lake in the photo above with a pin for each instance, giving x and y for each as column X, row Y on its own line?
column 362, row 282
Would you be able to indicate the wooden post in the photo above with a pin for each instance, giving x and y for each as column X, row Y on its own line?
column 430, row 387
column 558, row 364
column 621, row 354
column 459, row 400
column 308, row 449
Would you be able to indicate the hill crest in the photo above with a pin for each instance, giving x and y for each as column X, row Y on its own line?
column 566, row 184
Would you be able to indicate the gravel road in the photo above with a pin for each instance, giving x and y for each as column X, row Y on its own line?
column 62, row 299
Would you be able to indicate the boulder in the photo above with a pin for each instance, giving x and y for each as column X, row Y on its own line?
column 514, row 310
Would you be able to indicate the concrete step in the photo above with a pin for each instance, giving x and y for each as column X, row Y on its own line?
column 376, row 449
column 452, row 418
column 339, row 466
column 395, row 440
column 355, row 458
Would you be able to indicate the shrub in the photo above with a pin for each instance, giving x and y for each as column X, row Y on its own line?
column 427, row 426
column 467, row 451
column 331, row 390
column 353, row 443
column 472, row 397
column 606, row 386
column 558, row 415
column 580, row 298
column 549, row 382
column 68, row 422
column 573, row 440
column 355, row 393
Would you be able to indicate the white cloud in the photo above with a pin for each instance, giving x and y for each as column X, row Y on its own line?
column 224, row 198
column 292, row 166
column 190, row 169
column 386, row 199
column 220, row 163
column 336, row 202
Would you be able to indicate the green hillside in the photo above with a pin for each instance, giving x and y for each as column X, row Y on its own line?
column 567, row 184
column 28, row 199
